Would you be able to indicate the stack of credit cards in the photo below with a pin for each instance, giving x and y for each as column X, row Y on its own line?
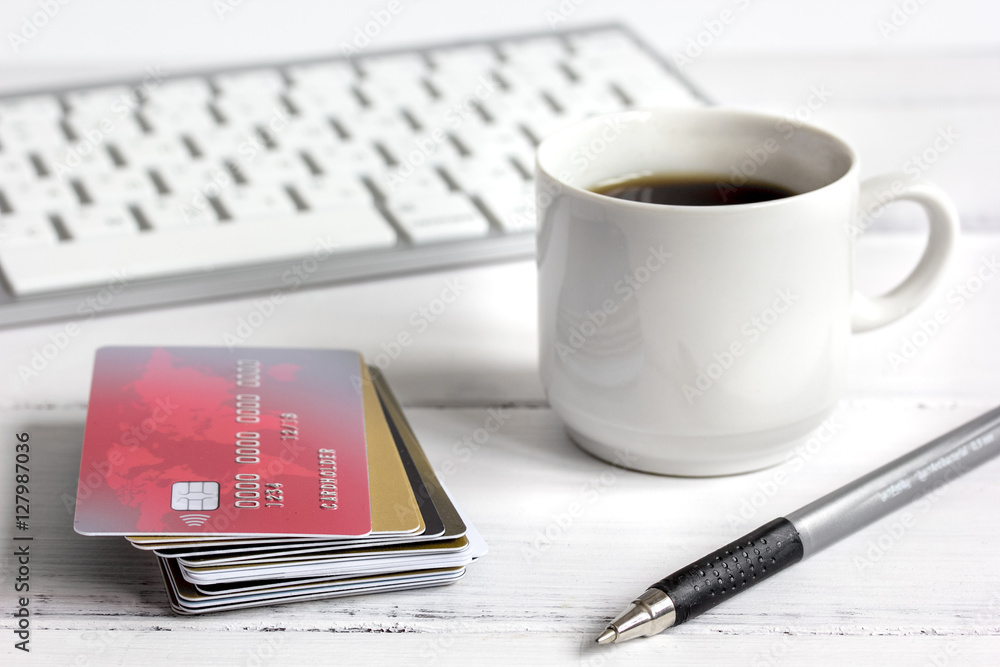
column 263, row 475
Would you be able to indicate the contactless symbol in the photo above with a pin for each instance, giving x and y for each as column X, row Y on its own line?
column 185, row 496
column 195, row 519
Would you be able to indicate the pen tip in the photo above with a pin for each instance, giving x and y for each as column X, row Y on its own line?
column 608, row 636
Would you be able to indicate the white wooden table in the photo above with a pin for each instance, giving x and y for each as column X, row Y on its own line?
column 918, row 588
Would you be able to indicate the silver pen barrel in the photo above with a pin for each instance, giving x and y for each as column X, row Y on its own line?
column 869, row 498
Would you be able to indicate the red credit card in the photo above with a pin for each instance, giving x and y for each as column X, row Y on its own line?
column 204, row 440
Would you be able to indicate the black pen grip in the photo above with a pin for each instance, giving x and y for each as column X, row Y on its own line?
column 731, row 569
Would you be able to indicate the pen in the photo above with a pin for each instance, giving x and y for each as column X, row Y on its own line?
column 771, row 548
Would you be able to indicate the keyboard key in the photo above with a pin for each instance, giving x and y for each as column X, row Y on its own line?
column 153, row 150
column 227, row 142
column 421, row 149
column 26, row 229
column 104, row 102
column 180, row 120
column 338, row 101
column 516, row 104
column 474, row 57
column 579, row 102
column 209, row 176
column 386, row 93
column 47, row 196
column 320, row 76
column 543, row 124
column 175, row 116
column 249, row 111
column 175, row 212
column 24, row 135
column 322, row 192
column 494, row 141
column 305, row 132
column 465, row 86
column 533, row 76
column 520, row 105
column 70, row 162
column 393, row 67
column 120, row 186
column 33, row 107
column 410, row 182
column 98, row 129
column 603, row 43
column 376, row 124
column 247, row 202
column 16, row 167
column 265, row 83
column 349, row 157
column 533, row 51
column 444, row 115
column 40, row 269
column 99, row 220
column 476, row 175
column 275, row 167
column 440, row 218
column 187, row 91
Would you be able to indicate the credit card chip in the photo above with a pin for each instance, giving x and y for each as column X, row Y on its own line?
column 186, row 496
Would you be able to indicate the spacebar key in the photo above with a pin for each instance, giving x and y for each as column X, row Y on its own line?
column 88, row 263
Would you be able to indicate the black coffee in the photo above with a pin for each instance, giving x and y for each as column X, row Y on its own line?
column 691, row 190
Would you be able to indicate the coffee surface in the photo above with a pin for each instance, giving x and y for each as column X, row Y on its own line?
column 691, row 190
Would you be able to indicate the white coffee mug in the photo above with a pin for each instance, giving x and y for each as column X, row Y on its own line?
column 708, row 340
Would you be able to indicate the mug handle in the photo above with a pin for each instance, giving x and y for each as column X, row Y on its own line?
column 873, row 312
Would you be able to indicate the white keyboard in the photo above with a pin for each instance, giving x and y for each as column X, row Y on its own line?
column 276, row 178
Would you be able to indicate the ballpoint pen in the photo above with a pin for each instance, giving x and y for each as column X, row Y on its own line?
column 774, row 546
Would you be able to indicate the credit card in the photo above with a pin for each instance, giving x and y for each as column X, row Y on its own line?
column 208, row 441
